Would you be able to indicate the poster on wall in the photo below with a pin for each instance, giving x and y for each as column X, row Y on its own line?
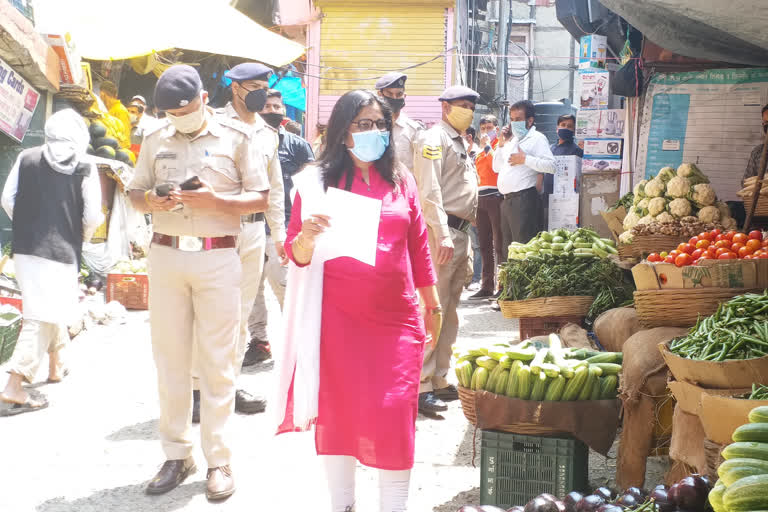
column 18, row 101
column 710, row 118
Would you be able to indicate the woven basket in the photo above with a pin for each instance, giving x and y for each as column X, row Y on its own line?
column 643, row 245
column 761, row 210
column 680, row 308
column 626, row 252
column 713, row 453
column 467, row 399
column 578, row 305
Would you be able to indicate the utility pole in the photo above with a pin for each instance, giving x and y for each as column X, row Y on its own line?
column 501, row 59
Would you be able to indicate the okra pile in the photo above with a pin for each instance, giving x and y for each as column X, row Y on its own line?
column 549, row 373
column 737, row 330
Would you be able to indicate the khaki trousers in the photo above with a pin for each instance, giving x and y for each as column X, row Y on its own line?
column 450, row 281
column 277, row 275
column 35, row 340
column 195, row 293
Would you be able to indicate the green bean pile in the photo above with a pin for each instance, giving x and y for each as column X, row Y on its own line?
column 759, row 392
column 737, row 330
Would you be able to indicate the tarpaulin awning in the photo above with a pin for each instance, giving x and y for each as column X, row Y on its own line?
column 733, row 31
column 116, row 29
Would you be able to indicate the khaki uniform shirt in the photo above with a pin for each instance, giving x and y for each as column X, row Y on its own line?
column 267, row 141
column 446, row 177
column 405, row 133
column 222, row 154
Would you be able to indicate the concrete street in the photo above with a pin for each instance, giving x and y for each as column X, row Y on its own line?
column 96, row 446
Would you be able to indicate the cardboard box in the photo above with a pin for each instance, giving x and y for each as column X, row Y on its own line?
column 707, row 274
column 601, row 164
column 591, row 124
column 598, row 192
column 595, row 90
column 564, row 211
column 130, row 290
column 721, row 415
column 567, row 175
column 69, row 61
column 717, row 375
column 602, row 148
column 690, row 397
column 614, row 219
column 592, row 52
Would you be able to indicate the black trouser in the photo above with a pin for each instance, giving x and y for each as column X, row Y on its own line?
column 520, row 216
column 489, row 236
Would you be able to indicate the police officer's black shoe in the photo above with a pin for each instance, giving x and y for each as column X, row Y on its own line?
column 258, row 352
column 246, row 403
column 430, row 404
column 196, row 406
column 448, row 393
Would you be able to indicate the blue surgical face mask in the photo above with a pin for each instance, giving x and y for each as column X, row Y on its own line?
column 492, row 134
column 370, row 145
column 519, row 129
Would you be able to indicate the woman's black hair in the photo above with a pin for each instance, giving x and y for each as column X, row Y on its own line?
column 335, row 162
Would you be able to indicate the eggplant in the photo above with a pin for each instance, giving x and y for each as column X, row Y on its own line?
column 560, row 506
column 608, row 507
column 589, row 503
column 662, row 487
column 571, row 499
column 490, row 508
column 702, row 480
column 661, row 498
column 638, row 493
column 541, row 504
column 516, row 509
column 673, row 493
column 94, row 282
column 605, row 492
column 627, row 501
column 690, row 493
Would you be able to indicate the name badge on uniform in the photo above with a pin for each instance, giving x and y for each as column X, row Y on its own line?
column 166, row 155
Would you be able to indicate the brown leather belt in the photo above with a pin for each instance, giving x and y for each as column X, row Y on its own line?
column 195, row 243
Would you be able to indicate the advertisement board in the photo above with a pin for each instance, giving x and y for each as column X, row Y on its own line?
column 18, row 101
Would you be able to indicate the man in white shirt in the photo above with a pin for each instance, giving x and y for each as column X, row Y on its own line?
column 521, row 159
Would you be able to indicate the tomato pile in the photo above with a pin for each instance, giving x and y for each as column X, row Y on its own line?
column 715, row 245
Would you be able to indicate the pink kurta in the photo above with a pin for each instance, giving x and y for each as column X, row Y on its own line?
column 372, row 335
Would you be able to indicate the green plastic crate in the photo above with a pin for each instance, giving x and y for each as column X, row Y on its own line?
column 516, row 468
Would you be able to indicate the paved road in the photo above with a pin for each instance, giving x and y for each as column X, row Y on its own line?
column 96, row 446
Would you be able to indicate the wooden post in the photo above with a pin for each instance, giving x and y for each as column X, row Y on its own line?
column 758, row 185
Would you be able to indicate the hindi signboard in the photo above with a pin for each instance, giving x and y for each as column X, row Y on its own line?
column 18, row 101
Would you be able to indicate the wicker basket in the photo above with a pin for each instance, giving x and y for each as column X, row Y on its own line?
column 467, row 399
column 626, row 252
column 577, row 305
column 680, row 308
column 713, row 452
column 643, row 245
column 761, row 210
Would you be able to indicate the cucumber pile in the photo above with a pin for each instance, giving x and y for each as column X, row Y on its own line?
column 743, row 483
column 548, row 374
column 584, row 243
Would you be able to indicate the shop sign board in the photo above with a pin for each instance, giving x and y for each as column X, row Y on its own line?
column 18, row 101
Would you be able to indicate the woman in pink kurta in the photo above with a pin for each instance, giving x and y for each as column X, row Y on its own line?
column 373, row 328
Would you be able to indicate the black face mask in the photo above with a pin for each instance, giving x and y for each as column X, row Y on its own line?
column 395, row 104
column 765, row 128
column 255, row 100
column 272, row 119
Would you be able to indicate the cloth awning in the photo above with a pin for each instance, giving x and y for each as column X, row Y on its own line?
column 116, row 29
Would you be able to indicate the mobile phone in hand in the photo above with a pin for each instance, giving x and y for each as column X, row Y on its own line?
column 192, row 183
column 164, row 189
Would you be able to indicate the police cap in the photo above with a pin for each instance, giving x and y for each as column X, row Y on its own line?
column 177, row 87
column 248, row 71
column 459, row 92
column 394, row 79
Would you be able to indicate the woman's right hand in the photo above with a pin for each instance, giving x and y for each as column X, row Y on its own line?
column 313, row 226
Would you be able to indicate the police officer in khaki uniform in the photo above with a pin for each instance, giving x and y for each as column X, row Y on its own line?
column 249, row 93
column 194, row 268
column 405, row 131
column 447, row 183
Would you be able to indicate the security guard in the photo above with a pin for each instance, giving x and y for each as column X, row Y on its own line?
column 216, row 174
column 249, row 93
column 405, row 130
column 447, row 183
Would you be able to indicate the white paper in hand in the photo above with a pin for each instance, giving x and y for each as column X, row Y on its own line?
column 354, row 228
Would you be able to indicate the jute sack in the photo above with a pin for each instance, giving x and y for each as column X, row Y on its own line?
column 614, row 327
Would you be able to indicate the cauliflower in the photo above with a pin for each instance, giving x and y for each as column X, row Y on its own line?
column 664, row 217
column 666, row 174
column 631, row 220
column 694, row 175
column 678, row 187
column 641, row 208
column 725, row 212
column 709, row 214
column 645, row 220
column 639, row 189
column 703, row 195
column 626, row 237
column 657, row 205
column 654, row 188
column 680, row 207
column 729, row 224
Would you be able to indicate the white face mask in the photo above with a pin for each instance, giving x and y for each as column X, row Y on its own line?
column 188, row 123
column 134, row 118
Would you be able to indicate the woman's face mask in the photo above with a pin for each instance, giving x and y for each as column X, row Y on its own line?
column 370, row 145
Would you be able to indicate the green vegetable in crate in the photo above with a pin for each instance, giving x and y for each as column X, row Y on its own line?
column 744, row 450
column 464, row 370
column 608, row 368
column 716, row 497
column 747, row 494
column 524, row 383
column 555, row 389
column 759, row 414
column 752, row 432
column 609, row 387
column 479, row 379
column 592, row 380
column 576, row 384
column 491, row 384
column 501, row 382
column 759, row 392
column 486, row 362
column 513, row 380
column 539, row 387
column 733, row 470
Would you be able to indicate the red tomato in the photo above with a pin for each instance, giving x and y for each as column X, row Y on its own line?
column 683, row 260
column 756, row 234
column 681, row 247
column 727, row 256
column 729, row 235
column 744, row 252
column 705, row 256
column 654, row 258
column 735, row 246
column 669, row 259
column 720, row 237
column 712, row 251
column 740, row 238
column 722, row 250
column 688, row 248
column 703, row 244
column 693, row 241
column 763, row 255
column 698, row 253
column 675, row 253
column 754, row 244
column 723, row 244
column 707, row 235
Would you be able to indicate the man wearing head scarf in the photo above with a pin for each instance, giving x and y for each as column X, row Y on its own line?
column 54, row 201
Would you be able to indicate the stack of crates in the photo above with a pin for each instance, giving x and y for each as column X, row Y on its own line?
column 516, row 468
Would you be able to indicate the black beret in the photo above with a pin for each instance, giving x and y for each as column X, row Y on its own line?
column 177, row 87
column 459, row 92
column 393, row 79
column 248, row 71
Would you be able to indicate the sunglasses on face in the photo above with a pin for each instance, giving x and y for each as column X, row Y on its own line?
column 365, row 125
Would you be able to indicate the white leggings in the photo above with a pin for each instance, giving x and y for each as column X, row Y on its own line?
column 393, row 485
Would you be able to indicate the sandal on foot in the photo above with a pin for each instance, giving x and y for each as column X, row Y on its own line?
column 35, row 402
column 64, row 374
